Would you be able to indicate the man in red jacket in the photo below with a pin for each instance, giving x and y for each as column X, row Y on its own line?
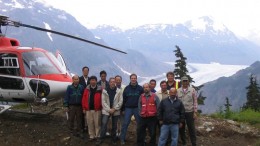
column 91, row 105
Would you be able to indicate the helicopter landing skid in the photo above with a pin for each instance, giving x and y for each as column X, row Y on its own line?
column 3, row 108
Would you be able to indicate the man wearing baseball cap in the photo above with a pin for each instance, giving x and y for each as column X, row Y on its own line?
column 188, row 96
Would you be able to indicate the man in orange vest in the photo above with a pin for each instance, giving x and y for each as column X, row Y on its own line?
column 147, row 105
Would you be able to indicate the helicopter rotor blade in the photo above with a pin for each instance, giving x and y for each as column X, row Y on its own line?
column 5, row 21
column 70, row 36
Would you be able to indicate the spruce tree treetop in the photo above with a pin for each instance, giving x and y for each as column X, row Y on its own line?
column 180, row 65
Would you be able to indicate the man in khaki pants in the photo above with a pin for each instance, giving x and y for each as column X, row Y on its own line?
column 91, row 104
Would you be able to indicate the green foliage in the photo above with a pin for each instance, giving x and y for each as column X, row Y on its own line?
column 248, row 115
column 227, row 109
column 223, row 114
column 180, row 65
column 253, row 95
column 257, row 143
column 219, row 114
column 20, row 106
column 201, row 98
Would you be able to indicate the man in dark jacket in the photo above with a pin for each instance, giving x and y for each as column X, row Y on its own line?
column 170, row 114
column 72, row 104
column 152, row 84
column 103, row 80
column 84, row 79
column 131, row 96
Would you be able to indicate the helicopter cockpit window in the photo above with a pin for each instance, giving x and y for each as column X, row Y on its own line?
column 36, row 63
column 9, row 64
column 57, row 62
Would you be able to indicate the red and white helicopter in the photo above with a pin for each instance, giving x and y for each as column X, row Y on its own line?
column 29, row 74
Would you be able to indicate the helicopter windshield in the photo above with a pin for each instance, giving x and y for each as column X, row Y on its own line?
column 57, row 62
column 36, row 63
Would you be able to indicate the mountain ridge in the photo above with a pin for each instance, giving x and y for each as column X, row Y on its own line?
column 225, row 47
column 233, row 87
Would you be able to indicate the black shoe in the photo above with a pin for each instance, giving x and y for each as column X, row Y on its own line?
column 75, row 134
column 98, row 142
column 81, row 136
column 114, row 143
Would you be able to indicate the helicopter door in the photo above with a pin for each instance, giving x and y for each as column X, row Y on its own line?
column 12, row 85
column 61, row 60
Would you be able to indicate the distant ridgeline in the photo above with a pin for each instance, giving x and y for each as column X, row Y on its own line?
column 233, row 87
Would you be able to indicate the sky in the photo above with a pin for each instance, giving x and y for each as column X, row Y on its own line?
column 240, row 16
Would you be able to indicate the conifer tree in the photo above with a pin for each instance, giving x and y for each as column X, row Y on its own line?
column 227, row 105
column 253, row 95
column 201, row 99
column 227, row 108
column 180, row 65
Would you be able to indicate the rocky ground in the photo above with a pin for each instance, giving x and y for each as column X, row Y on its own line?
column 50, row 130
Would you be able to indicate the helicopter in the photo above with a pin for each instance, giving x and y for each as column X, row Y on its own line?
column 30, row 74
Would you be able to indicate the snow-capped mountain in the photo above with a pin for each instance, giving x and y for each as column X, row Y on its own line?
column 202, row 40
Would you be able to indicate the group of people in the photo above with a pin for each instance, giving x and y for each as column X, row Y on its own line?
column 91, row 103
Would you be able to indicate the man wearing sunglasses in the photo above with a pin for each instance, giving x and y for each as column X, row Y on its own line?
column 188, row 96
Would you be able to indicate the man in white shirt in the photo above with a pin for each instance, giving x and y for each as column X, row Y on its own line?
column 84, row 79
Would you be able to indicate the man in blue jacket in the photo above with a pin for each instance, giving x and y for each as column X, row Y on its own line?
column 72, row 104
column 171, row 115
column 131, row 95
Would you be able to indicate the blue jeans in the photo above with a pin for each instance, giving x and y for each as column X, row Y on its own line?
column 129, row 112
column 165, row 130
column 105, row 119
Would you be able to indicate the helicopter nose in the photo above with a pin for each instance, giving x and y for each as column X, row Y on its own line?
column 40, row 88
